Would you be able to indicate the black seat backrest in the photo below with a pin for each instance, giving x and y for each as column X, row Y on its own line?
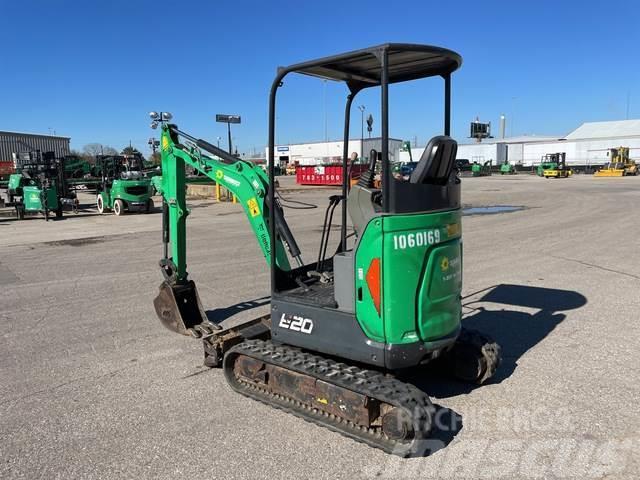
column 437, row 161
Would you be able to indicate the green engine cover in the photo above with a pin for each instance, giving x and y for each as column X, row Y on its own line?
column 15, row 182
column 33, row 198
column 131, row 191
column 408, row 275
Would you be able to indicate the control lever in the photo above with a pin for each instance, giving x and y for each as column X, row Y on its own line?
column 367, row 178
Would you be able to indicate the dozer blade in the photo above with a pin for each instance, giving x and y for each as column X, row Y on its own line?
column 609, row 173
column 179, row 309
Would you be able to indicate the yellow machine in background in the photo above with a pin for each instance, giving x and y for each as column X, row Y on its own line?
column 620, row 165
column 558, row 169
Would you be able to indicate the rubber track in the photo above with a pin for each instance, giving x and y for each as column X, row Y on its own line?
column 412, row 401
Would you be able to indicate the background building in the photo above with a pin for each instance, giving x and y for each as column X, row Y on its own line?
column 327, row 153
column 15, row 143
column 585, row 146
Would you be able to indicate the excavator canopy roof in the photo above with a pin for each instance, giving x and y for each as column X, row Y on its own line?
column 362, row 68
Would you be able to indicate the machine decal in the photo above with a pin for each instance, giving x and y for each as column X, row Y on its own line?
column 444, row 264
column 296, row 323
column 254, row 208
column 231, row 181
column 453, row 229
column 418, row 239
column 450, row 268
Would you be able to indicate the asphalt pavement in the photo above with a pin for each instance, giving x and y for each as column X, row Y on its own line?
column 92, row 386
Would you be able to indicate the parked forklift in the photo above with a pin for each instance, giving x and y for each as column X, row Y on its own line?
column 340, row 326
column 560, row 169
column 619, row 165
column 123, row 186
column 40, row 187
column 481, row 169
column 549, row 161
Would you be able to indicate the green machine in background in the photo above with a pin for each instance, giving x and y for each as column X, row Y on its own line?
column 481, row 169
column 123, row 186
column 386, row 298
column 40, row 186
column 550, row 161
column 76, row 167
column 507, row 169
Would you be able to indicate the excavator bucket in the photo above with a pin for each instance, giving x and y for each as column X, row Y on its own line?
column 179, row 309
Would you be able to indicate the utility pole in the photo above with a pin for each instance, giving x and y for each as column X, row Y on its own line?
column 362, row 108
column 153, row 143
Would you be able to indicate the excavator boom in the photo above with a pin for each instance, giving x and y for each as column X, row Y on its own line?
column 178, row 305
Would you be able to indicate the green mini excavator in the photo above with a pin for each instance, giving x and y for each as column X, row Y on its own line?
column 388, row 298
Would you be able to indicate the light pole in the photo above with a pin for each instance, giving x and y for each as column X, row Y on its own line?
column 228, row 119
column 324, row 101
column 362, row 109
column 219, row 138
column 513, row 115
column 154, row 144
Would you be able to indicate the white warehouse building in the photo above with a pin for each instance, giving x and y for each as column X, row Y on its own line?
column 330, row 152
column 586, row 146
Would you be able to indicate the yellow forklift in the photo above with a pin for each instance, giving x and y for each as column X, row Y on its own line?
column 620, row 165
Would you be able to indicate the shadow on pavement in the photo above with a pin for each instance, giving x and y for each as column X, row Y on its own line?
column 516, row 331
column 217, row 315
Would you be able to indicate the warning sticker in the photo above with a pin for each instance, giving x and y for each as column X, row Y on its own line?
column 254, row 208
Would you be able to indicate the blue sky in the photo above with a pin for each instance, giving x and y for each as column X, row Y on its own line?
column 92, row 70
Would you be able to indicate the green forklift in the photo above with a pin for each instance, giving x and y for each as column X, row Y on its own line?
column 123, row 187
column 40, row 187
column 550, row 161
column 386, row 297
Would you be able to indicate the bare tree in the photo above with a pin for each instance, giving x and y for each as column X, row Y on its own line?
column 109, row 150
column 94, row 149
column 155, row 158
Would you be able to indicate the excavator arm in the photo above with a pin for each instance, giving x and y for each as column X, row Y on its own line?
column 178, row 305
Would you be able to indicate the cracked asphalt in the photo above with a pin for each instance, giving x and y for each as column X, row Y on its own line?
column 92, row 386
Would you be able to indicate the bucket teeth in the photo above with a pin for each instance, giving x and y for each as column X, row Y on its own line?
column 195, row 333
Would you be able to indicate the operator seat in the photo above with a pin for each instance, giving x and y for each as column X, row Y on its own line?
column 437, row 161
